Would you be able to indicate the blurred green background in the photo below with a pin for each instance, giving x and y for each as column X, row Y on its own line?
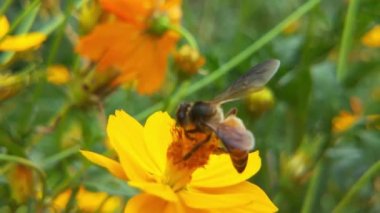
column 307, row 165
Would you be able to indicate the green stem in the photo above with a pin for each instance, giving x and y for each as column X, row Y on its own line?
column 371, row 172
column 4, row 7
column 176, row 98
column 59, row 35
column 52, row 125
column 312, row 191
column 225, row 68
column 28, row 163
column 59, row 156
column 346, row 42
column 187, row 35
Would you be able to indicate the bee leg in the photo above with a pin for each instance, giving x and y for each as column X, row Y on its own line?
column 232, row 111
column 191, row 131
column 196, row 147
column 220, row 150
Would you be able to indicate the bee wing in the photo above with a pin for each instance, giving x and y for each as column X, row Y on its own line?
column 234, row 135
column 237, row 140
column 252, row 81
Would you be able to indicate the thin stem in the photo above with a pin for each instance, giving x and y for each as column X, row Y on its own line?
column 312, row 190
column 60, row 156
column 187, row 35
column 346, row 43
column 371, row 172
column 225, row 68
column 5, row 6
column 177, row 96
column 28, row 163
column 59, row 35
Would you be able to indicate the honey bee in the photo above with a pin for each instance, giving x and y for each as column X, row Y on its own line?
column 208, row 116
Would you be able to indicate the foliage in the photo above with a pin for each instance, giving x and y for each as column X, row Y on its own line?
column 317, row 131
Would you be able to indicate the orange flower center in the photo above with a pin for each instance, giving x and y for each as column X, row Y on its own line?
column 186, row 154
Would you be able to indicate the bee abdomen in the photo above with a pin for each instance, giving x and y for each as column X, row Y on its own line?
column 239, row 159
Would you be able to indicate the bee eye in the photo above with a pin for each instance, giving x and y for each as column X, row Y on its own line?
column 182, row 113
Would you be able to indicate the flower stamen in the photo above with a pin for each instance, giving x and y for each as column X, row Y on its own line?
column 184, row 158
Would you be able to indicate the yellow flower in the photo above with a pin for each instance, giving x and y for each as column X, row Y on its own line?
column 58, row 74
column 372, row 37
column 18, row 42
column 87, row 201
column 151, row 159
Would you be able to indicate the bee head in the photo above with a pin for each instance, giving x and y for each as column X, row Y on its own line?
column 182, row 115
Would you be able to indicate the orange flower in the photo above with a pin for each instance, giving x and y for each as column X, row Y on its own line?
column 137, row 43
column 345, row 120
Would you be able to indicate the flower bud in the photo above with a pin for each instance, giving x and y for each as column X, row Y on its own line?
column 89, row 15
column 21, row 182
column 58, row 74
column 188, row 60
column 260, row 102
column 372, row 37
column 291, row 28
column 10, row 85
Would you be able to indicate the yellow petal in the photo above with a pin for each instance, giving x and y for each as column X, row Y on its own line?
column 144, row 203
column 4, row 26
column 112, row 166
column 127, row 138
column 258, row 200
column 179, row 207
column 160, row 190
column 22, row 42
column 219, row 171
column 236, row 196
column 87, row 201
column 157, row 132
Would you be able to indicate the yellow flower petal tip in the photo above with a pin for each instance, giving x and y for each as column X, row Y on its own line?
column 153, row 158
column 112, row 166
column 4, row 26
column 22, row 42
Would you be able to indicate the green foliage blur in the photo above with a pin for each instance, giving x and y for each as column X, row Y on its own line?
column 307, row 166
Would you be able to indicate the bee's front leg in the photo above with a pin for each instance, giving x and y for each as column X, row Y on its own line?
column 196, row 147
